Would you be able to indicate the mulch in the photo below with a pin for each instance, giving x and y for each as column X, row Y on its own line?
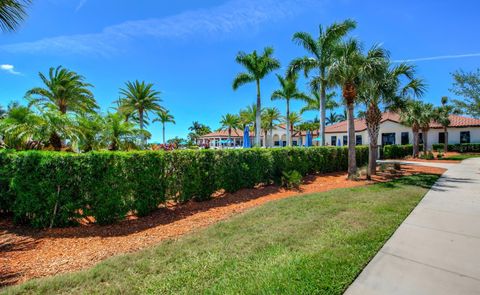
column 27, row 253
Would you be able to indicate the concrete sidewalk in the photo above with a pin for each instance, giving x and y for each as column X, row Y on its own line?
column 436, row 250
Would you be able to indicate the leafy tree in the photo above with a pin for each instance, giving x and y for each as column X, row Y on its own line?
column 257, row 67
column 197, row 129
column 467, row 85
column 164, row 117
column 248, row 116
column 229, row 122
column 333, row 118
column 140, row 99
column 3, row 112
column 411, row 114
column 386, row 88
column 12, row 12
column 293, row 119
column 65, row 91
column 349, row 70
column 287, row 92
column 314, row 100
column 442, row 116
column 322, row 53
column 91, row 127
column 270, row 118
column 119, row 134
column 177, row 141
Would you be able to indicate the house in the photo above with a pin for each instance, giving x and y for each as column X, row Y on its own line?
column 392, row 131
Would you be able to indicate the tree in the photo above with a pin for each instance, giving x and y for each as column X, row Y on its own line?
column 442, row 116
column 293, row 119
column 91, row 127
column 314, row 100
column 287, row 92
column 386, row 89
column 12, row 12
column 119, row 134
column 248, row 116
column 229, row 122
column 349, row 70
column 257, row 67
column 427, row 115
column 467, row 85
column 140, row 99
column 164, row 117
column 270, row 118
column 333, row 118
column 322, row 53
column 197, row 129
column 410, row 115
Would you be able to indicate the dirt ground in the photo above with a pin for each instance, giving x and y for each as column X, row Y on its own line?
column 27, row 253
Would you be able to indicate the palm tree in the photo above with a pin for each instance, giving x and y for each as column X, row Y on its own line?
column 386, row 88
column 196, row 130
column 139, row 98
column 12, row 12
column 164, row 117
column 293, row 119
column 120, row 134
column 322, row 53
column 65, row 91
column 91, row 126
column 270, row 117
column 229, row 122
column 258, row 67
column 314, row 100
column 349, row 70
column 287, row 92
column 410, row 115
column 248, row 116
column 426, row 117
column 333, row 118
column 443, row 117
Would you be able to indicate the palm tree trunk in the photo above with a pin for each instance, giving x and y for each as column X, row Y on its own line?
column 271, row 137
column 445, row 131
column 323, row 100
column 140, row 116
column 229, row 135
column 352, row 160
column 55, row 141
column 373, row 119
column 289, row 141
column 163, row 131
column 425, row 140
column 265, row 135
column 415, row 142
column 258, row 118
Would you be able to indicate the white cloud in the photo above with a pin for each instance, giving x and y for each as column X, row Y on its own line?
column 227, row 18
column 9, row 69
column 439, row 57
column 80, row 4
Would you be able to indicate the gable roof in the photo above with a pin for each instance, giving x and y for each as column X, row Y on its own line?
column 360, row 124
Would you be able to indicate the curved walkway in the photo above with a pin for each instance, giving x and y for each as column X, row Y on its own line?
column 436, row 250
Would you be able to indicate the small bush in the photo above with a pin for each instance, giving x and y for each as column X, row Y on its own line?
column 459, row 148
column 291, row 179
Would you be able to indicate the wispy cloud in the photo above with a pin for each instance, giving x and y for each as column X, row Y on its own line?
column 439, row 57
column 80, row 4
column 9, row 69
column 227, row 18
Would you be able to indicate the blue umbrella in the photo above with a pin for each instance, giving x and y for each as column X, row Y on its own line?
column 246, row 137
column 308, row 139
column 339, row 142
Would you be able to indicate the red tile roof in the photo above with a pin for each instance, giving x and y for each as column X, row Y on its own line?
column 360, row 125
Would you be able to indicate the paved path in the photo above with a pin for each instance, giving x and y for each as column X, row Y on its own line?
column 436, row 250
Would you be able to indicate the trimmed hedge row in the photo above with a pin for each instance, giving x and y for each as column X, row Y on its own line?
column 45, row 189
column 460, row 147
column 396, row 151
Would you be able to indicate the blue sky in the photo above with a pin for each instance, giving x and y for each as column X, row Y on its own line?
column 187, row 48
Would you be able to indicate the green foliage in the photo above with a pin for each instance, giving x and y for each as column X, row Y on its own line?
column 291, row 179
column 467, row 85
column 427, row 156
column 47, row 189
column 397, row 151
column 459, row 148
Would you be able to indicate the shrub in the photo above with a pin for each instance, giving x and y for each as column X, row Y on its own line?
column 46, row 189
column 291, row 179
column 397, row 151
column 459, row 148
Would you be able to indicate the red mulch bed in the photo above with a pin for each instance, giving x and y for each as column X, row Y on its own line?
column 27, row 253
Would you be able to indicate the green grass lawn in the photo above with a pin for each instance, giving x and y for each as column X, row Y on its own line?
column 312, row 244
column 462, row 157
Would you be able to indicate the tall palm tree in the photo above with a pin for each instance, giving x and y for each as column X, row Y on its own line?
column 333, row 118
column 65, row 91
column 229, row 122
column 386, row 89
column 350, row 69
column 248, row 116
column 164, row 117
column 314, row 101
column 287, row 92
column 257, row 67
column 322, row 53
column 140, row 99
column 12, row 12
column 443, row 117
column 293, row 119
column 270, row 117
column 410, row 115
column 426, row 117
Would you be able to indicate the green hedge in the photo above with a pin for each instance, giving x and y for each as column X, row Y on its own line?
column 460, row 147
column 45, row 189
column 397, row 151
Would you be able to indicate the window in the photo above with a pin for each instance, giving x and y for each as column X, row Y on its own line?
column 441, row 137
column 345, row 140
column 388, row 138
column 465, row 137
column 284, row 143
column 333, row 140
column 405, row 138
column 358, row 140
column 276, row 143
column 294, row 143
